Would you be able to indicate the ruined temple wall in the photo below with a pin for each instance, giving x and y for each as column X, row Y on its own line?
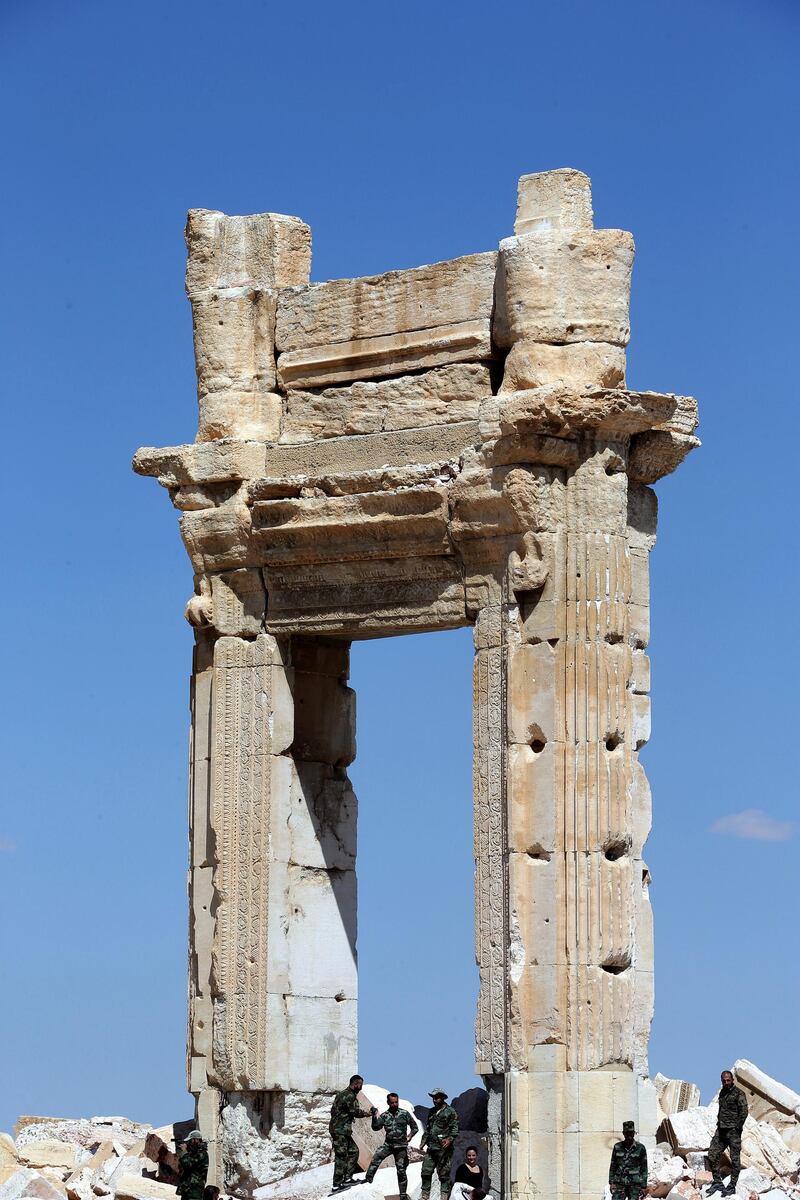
column 421, row 450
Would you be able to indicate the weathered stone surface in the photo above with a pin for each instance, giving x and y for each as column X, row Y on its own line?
column 138, row 1187
column 674, row 1095
column 578, row 366
column 549, row 200
column 50, row 1153
column 439, row 396
column 8, row 1151
column 572, row 286
column 26, row 1184
column 265, row 250
column 272, row 1137
column 770, row 1101
column 400, row 301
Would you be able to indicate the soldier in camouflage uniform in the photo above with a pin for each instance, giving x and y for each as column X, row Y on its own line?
column 344, row 1110
column 731, row 1117
column 400, row 1127
column 627, row 1175
column 192, row 1167
column 438, row 1141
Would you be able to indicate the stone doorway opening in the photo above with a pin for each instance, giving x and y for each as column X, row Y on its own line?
column 418, row 980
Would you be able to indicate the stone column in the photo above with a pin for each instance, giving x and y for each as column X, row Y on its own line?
column 273, row 989
column 562, row 804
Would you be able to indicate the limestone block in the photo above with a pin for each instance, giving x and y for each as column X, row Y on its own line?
column 422, row 298
column 325, row 720
column 764, row 1148
column 217, row 539
column 321, row 656
column 267, row 250
column 86, row 1132
column 691, row 1129
column 579, row 366
column 549, row 200
column 750, row 1180
column 532, row 674
column 776, row 1098
column 26, row 1184
column 49, row 1153
column 656, row 454
column 239, row 602
column 640, row 678
column 442, row 395
column 375, row 525
column 321, row 828
column 569, row 286
column 396, row 448
column 79, row 1184
column 667, row 1173
column 203, row 463
column 684, row 1190
column 316, row 909
column 640, row 709
column 391, row 354
column 535, row 787
column 273, row 1136
column 8, row 1151
column 676, row 1095
column 137, row 1187
column 235, row 359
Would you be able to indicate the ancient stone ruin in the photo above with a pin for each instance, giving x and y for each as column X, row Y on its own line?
column 445, row 446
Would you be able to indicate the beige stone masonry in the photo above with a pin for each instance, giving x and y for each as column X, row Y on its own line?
column 445, row 446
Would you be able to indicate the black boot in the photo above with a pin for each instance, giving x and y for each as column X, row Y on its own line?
column 716, row 1186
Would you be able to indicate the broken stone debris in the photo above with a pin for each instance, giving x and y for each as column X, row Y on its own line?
column 87, row 1159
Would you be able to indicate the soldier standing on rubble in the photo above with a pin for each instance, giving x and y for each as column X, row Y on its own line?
column 400, row 1127
column 192, row 1166
column 344, row 1110
column 627, row 1175
column 438, row 1141
column 730, row 1123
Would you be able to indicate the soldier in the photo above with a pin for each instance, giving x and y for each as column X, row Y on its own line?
column 438, row 1140
column 400, row 1127
column 192, row 1166
column 627, row 1175
column 730, row 1122
column 344, row 1110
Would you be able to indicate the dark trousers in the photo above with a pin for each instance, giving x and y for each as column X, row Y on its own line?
column 730, row 1140
column 400, row 1161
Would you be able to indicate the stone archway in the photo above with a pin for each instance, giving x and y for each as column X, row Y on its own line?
column 445, row 446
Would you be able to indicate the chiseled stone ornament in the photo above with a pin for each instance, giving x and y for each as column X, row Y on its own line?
column 445, row 446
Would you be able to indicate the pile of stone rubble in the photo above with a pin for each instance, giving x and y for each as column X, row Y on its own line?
column 770, row 1139
column 53, row 1159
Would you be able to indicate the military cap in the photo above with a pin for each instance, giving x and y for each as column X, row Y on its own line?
column 437, row 1092
column 628, row 1127
column 194, row 1134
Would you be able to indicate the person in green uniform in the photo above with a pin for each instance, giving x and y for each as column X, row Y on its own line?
column 400, row 1127
column 344, row 1110
column 627, row 1175
column 192, row 1166
column 438, row 1141
column 731, row 1117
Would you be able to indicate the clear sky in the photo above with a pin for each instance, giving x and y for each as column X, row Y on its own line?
column 398, row 132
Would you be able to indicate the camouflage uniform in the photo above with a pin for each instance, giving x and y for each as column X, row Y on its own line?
column 627, row 1175
column 730, row 1122
column 397, row 1125
column 192, row 1170
column 442, row 1123
column 344, row 1110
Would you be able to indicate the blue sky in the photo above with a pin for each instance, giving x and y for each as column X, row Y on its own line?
column 398, row 132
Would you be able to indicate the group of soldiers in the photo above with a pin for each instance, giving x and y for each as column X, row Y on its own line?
column 627, row 1175
column 438, row 1140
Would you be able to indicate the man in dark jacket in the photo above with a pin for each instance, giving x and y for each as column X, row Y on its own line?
column 730, row 1123
column 627, row 1174
column 192, row 1167
column 344, row 1110
column 438, row 1141
column 400, row 1127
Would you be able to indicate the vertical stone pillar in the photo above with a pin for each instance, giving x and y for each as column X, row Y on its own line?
column 562, row 802
column 273, row 990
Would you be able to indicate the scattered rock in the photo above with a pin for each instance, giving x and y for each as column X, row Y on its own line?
column 8, row 1151
column 690, row 1130
column 27, row 1184
column 139, row 1187
column 665, row 1173
column 770, row 1101
column 751, row 1181
column 49, row 1153
column 684, row 1190
column 676, row 1095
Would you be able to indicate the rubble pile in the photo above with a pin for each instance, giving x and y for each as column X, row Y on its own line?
column 770, row 1139
column 49, row 1158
